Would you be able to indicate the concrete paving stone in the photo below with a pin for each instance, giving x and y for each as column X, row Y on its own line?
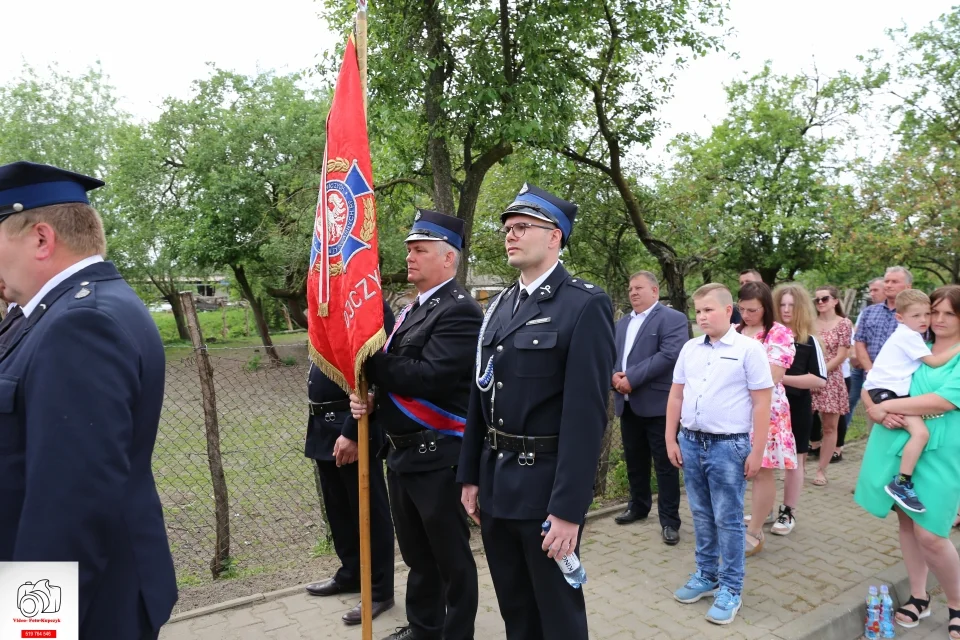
column 632, row 576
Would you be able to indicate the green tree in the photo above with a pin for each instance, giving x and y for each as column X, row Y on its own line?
column 244, row 155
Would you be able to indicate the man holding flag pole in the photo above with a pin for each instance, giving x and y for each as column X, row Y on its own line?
column 344, row 298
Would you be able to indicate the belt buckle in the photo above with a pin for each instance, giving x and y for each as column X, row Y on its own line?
column 390, row 440
column 492, row 439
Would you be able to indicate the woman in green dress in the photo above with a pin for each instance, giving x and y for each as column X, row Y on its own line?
column 924, row 537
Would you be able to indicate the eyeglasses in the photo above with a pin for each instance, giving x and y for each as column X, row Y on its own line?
column 823, row 300
column 745, row 310
column 519, row 228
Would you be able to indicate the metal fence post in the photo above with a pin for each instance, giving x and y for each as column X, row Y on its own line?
column 221, row 555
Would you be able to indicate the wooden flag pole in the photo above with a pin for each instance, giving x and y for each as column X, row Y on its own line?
column 363, row 427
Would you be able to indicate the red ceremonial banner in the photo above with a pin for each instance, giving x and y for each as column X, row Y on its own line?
column 344, row 299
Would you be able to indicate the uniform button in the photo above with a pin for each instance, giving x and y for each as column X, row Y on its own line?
column 500, row 385
column 500, row 422
column 499, row 455
column 499, row 348
column 536, row 342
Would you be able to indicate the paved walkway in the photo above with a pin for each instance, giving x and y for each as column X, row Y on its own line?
column 631, row 577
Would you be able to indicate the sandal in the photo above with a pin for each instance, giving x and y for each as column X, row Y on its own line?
column 756, row 548
column 923, row 609
column 953, row 628
column 817, row 482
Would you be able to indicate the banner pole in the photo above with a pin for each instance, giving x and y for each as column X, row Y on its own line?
column 363, row 426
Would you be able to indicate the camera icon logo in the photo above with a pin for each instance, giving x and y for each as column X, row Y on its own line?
column 34, row 598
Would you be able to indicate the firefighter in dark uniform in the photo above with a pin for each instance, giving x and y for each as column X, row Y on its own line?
column 11, row 321
column 332, row 443
column 81, row 383
column 423, row 378
column 538, row 410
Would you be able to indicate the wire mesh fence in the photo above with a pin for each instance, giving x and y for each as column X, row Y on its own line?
column 275, row 515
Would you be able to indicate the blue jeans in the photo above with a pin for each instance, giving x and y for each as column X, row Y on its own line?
column 713, row 476
column 857, row 377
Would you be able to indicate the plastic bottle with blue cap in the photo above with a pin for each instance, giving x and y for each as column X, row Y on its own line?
column 569, row 564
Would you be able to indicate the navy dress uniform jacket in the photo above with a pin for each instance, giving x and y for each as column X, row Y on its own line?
column 552, row 363
column 430, row 357
column 81, row 389
column 650, row 359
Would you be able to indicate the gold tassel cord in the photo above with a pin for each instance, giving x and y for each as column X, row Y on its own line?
column 372, row 345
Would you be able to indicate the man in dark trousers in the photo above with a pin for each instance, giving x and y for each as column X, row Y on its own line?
column 82, row 382
column 332, row 443
column 422, row 380
column 649, row 340
column 538, row 410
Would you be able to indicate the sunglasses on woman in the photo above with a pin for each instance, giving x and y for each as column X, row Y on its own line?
column 823, row 300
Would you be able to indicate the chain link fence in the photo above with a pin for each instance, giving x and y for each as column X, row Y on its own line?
column 275, row 514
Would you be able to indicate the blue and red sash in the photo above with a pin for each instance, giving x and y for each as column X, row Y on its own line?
column 429, row 415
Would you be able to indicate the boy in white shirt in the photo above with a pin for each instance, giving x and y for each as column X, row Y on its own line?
column 722, row 388
column 890, row 377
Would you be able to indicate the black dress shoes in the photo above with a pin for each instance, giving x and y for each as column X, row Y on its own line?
column 329, row 588
column 403, row 633
column 630, row 515
column 353, row 616
column 670, row 536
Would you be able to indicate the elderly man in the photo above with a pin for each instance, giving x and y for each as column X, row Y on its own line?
column 536, row 421
column 82, row 381
column 422, row 380
column 648, row 341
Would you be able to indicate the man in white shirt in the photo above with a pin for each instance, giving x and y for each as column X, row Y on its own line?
column 648, row 342
column 83, row 382
column 722, row 390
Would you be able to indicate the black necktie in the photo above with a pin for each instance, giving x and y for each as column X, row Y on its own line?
column 416, row 305
column 523, row 296
column 8, row 328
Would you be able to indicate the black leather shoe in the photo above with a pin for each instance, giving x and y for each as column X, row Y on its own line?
column 630, row 515
column 353, row 616
column 329, row 588
column 403, row 633
column 670, row 536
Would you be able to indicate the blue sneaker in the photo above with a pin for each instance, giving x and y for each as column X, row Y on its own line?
column 725, row 607
column 697, row 587
column 904, row 495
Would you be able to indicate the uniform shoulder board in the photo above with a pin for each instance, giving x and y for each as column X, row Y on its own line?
column 460, row 295
column 584, row 285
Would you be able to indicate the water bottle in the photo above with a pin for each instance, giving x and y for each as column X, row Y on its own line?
column 871, row 629
column 886, row 613
column 569, row 565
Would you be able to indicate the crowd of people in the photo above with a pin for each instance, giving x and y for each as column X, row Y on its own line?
column 496, row 416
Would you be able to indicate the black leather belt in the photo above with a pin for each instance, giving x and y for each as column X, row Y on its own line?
column 321, row 408
column 425, row 440
column 522, row 444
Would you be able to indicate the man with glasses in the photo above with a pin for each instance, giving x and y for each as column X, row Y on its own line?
column 538, row 410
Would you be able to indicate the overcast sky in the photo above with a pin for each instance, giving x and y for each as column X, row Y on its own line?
column 155, row 49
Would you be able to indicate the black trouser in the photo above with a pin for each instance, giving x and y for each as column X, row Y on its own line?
column 643, row 438
column 536, row 602
column 434, row 540
column 341, row 500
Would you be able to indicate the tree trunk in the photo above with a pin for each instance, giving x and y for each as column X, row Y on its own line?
column 433, row 97
column 603, row 468
column 173, row 299
column 257, row 309
column 297, row 314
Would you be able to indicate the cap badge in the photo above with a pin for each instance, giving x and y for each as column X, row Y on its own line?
column 416, row 217
column 524, row 188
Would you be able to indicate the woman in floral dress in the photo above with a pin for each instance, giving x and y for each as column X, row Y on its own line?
column 833, row 400
column 755, row 303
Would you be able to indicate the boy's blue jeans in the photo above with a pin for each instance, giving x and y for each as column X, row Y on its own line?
column 713, row 476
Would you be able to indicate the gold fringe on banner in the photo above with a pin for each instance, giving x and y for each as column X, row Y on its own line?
column 372, row 345
column 323, row 310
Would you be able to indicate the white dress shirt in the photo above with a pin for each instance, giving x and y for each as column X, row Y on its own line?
column 717, row 379
column 636, row 321
column 57, row 279
column 533, row 286
column 423, row 297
